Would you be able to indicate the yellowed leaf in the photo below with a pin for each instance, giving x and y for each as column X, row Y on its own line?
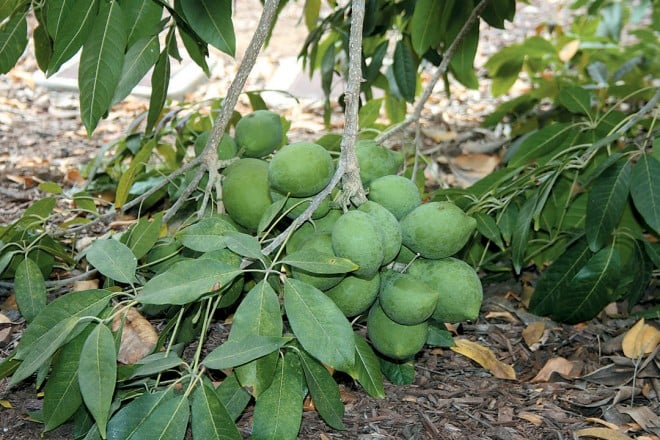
column 533, row 332
column 85, row 285
column 569, row 50
column 484, row 357
column 562, row 366
column 6, row 404
column 602, row 433
column 531, row 418
column 506, row 316
column 602, row 422
column 641, row 339
column 477, row 162
column 439, row 135
column 138, row 336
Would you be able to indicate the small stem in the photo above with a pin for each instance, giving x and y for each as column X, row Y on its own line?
column 439, row 73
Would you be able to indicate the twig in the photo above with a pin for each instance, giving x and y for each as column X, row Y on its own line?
column 347, row 169
column 57, row 283
column 439, row 73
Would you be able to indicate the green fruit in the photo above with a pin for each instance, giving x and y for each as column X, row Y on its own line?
column 300, row 169
column 227, row 147
column 295, row 206
column 231, row 293
column 396, row 193
column 356, row 237
column 307, row 229
column 437, row 229
column 388, row 226
column 408, row 300
column 458, row 285
column 259, row 133
column 392, row 339
column 376, row 161
column 354, row 295
column 405, row 255
column 245, row 192
column 321, row 242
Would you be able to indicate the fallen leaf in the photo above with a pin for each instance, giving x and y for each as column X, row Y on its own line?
column 562, row 366
column 484, row 357
column 5, row 329
column 6, row 404
column 605, row 423
column 642, row 415
column 138, row 337
column 506, row 316
column 439, row 135
column 533, row 332
column 531, row 418
column 569, row 50
column 641, row 339
column 85, row 285
column 603, row 433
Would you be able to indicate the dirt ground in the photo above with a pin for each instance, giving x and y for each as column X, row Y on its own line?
column 570, row 381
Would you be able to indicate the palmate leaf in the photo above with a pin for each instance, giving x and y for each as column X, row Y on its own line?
column 101, row 63
column 324, row 391
column 645, row 190
column 13, row 40
column 278, row 411
column 606, row 203
column 321, row 328
column 211, row 19
column 210, row 419
column 30, row 288
column 113, row 259
column 97, row 374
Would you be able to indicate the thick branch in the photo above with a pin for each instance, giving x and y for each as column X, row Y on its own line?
column 439, row 73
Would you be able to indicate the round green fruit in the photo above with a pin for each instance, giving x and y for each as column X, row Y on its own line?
column 396, row 193
column 295, row 206
column 392, row 339
column 301, row 169
column 458, row 285
column 354, row 295
column 355, row 236
column 376, row 161
column 245, row 192
column 259, row 133
column 227, row 147
column 437, row 229
column 321, row 242
column 388, row 226
column 307, row 229
column 408, row 300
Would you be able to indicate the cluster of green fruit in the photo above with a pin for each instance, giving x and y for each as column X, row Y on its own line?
column 406, row 275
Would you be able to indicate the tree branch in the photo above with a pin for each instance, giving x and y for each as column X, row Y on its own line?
column 439, row 73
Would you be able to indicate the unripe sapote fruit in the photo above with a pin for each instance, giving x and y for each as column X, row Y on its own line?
column 388, row 226
column 355, row 236
column 408, row 300
column 376, row 161
column 354, row 295
column 227, row 147
column 259, row 133
column 392, row 339
column 396, row 193
column 295, row 206
column 301, row 169
column 458, row 285
column 437, row 229
column 245, row 191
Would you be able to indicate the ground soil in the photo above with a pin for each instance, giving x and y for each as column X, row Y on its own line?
column 452, row 397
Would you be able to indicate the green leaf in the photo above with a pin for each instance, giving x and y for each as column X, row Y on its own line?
column 43, row 47
column 210, row 419
column 244, row 245
column 144, row 235
column 85, row 201
column 160, row 82
column 540, row 143
column 30, row 288
column 645, row 190
column 101, row 63
column 312, row 10
column 369, row 113
column 140, row 57
column 606, row 202
column 328, row 69
column 124, row 423
column 143, row 17
column 68, row 23
column 591, row 289
column 487, row 227
column 197, row 49
column 156, row 363
column 367, row 368
column 323, row 390
column 405, row 70
column 497, row 11
column 425, row 31
column 136, row 167
column 315, row 261
column 62, row 396
column 521, row 231
column 206, row 235
column 97, row 374
column 237, row 352
column 113, row 259
column 399, row 373
column 555, row 280
column 72, row 305
column 462, row 63
column 439, row 337
column 258, row 314
column 505, row 76
column 40, row 350
column 319, row 325
column 576, row 100
column 187, row 281
column 50, row 187
column 270, row 214
column 13, row 40
column 233, row 396
column 278, row 411
column 168, row 420
column 211, row 19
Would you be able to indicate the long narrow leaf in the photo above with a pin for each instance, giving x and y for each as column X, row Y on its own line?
column 238, row 352
column 69, row 23
column 324, row 391
column 367, row 368
column 211, row 19
column 113, row 259
column 169, row 420
column 30, row 288
column 210, row 419
column 645, row 190
column 130, row 418
column 13, row 40
column 405, row 70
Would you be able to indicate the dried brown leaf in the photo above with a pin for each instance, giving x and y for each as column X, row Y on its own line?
column 531, row 418
column 85, row 285
column 5, row 329
column 562, row 366
column 138, row 336
column 506, row 316
column 484, row 357
column 640, row 340
column 602, row 433
column 439, row 135
column 533, row 332
column 642, row 415
column 569, row 50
